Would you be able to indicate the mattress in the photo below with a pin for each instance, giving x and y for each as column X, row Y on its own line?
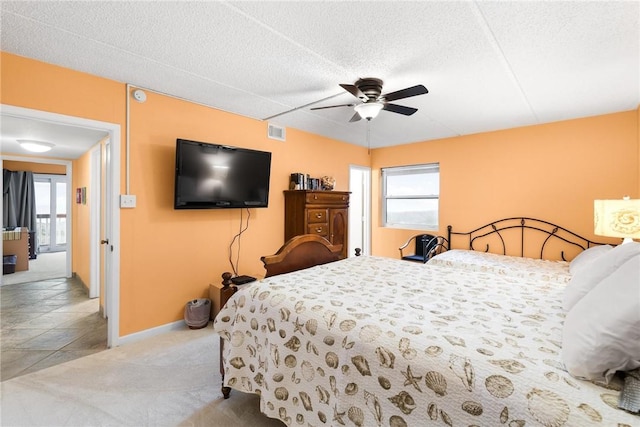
column 372, row 341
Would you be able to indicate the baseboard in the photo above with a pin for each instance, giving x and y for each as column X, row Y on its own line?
column 77, row 277
column 152, row 332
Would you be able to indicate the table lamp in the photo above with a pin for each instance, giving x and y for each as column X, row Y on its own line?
column 617, row 218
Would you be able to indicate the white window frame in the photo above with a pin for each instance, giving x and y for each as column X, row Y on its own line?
column 53, row 180
column 409, row 170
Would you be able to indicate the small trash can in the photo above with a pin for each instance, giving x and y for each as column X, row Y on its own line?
column 196, row 313
column 9, row 264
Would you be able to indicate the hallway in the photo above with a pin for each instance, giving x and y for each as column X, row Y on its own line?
column 45, row 323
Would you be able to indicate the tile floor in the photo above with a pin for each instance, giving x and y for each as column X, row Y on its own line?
column 46, row 323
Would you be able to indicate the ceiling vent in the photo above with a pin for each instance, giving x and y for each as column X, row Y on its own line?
column 276, row 132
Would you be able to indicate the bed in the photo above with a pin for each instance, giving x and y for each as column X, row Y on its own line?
column 373, row 341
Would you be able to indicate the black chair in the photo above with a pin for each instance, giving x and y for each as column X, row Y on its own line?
column 424, row 249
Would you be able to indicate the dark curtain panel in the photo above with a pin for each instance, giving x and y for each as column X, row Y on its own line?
column 18, row 199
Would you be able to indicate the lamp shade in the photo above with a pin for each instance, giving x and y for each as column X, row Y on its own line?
column 369, row 110
column 617, row 218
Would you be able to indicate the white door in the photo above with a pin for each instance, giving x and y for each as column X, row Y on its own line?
column 360, row 209
column 106, row 252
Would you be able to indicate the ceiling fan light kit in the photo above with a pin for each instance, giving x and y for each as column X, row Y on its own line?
column 369, row 91
column 35, row 146
column 369, row 110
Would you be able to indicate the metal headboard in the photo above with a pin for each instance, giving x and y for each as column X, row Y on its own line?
column 552, row 232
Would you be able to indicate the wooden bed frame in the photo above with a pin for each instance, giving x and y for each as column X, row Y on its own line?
column 553, row 238
column 304, row 251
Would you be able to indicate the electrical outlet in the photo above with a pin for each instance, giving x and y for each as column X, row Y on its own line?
column 127, row 201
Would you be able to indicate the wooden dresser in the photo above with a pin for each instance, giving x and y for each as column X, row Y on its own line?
column 325, row 213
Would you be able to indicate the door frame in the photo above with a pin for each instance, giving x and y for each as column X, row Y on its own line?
column 95, row 213
column 112, row 216
column 364, row 201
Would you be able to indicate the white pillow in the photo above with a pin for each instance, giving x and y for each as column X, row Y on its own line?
column 588, row 276
column 585, row 257
column 601, row 334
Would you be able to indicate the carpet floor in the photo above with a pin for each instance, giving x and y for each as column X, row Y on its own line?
column 172, row 379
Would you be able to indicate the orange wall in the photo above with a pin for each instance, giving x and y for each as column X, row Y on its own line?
column 176, row 254
column 80, row 225
column 552, row 171
column 16, row 165
column 169, row 257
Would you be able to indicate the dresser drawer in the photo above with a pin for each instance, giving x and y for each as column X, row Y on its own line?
column 316, row 215
column 327, row 197
column 319, row 229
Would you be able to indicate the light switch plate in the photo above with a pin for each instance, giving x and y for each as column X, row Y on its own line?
column 127, row 201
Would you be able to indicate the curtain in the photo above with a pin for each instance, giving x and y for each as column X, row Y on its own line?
column 18, row 199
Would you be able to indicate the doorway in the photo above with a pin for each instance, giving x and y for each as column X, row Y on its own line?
column 360, row 209
column 111, row 214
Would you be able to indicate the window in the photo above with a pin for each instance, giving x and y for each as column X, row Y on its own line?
column 51, row 212
column 410, row 196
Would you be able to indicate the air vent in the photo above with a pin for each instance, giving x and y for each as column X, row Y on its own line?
column 276, row 132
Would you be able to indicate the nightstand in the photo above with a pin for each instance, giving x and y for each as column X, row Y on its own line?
column 219, row 293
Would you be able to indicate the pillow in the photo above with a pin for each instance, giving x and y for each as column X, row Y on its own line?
column 587, row 277
column 585, row 257
column 601, row 334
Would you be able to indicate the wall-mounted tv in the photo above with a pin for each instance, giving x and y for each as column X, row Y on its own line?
column 211, row 176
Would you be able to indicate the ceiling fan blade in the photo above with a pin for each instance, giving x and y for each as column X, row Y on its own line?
column 406, row 93
column 355, row 118
column 333, row 106
column 353, row 90
column 400, row 109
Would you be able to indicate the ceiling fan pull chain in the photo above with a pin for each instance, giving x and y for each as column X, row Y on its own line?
column 369, row 136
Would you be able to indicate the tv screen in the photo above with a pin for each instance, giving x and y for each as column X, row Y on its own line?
column 210, row 176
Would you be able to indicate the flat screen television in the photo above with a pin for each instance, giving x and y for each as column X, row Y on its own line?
column 212, row 176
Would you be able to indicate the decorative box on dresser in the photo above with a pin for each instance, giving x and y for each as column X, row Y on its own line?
column 325, row 213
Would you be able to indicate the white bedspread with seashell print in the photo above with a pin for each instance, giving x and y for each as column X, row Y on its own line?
column 370, row 341
column 526, row 268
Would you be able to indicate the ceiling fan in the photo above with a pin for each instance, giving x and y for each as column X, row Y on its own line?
column 369, row 91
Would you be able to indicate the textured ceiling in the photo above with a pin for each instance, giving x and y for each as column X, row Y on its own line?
column 487, row 65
